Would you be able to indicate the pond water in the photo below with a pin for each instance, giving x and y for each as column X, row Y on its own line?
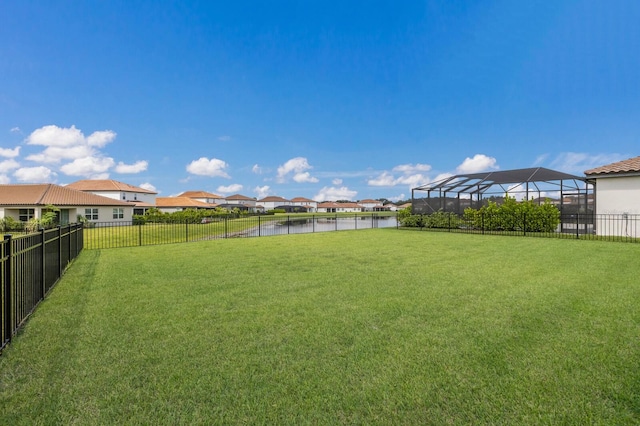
column 321, row 224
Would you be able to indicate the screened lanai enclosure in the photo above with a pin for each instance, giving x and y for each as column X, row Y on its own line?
column 572, row 195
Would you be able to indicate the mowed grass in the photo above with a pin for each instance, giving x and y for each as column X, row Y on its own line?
column 371, row 327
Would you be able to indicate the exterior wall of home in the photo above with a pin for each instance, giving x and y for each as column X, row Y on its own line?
column 127, row 196
column 619, row 196
column 105, row 214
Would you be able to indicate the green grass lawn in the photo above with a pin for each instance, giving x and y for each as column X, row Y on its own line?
column 371, row 327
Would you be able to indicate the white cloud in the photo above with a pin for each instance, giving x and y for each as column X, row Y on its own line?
column 10, row 153
column 40, row 174
column 56, row 136
column 385, row 179
column 441, row 176
column 224, row 138
column 90, row 167
column 397, row 198
column 577, row 162
column 4, row 179
column 137, row 167
column 101, row 138
column 8, row 165
column 148, row 187
column 304, row 177
column 479, row 163
column 54, row 154
column 411, row 168
column 297, row 165
column 69, row 143
column 205, row 167
column 236, row 187
column 262, row 191
column 412, row 180
column 333, row 193
column 15, row 130
column 256, row 169
column 337, row 181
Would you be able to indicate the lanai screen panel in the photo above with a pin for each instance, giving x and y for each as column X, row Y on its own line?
column 572, row 194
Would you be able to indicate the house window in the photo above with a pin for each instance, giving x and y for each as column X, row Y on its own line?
column 91, row 214
column 24, row 215
column 118, row 213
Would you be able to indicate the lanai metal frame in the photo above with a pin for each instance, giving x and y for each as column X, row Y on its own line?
column 454, row 193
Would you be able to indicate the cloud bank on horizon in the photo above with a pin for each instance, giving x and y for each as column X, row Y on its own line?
column 53, row 154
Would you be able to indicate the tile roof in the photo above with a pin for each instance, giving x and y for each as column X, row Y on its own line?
column 43, row 194
column 632, row 165
column 199, row 194
column 302, row 200
column 272, row 198
column 183, row 202
column 106, row 185
column 240, row 197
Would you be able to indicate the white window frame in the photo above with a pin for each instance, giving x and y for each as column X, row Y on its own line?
column 118, row 213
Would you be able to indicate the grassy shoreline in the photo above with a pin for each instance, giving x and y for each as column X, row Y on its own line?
column 375, row 326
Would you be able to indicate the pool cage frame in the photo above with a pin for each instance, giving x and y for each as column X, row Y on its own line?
column 572, row 195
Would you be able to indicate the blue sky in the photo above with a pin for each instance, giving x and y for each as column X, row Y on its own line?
column 320, row 99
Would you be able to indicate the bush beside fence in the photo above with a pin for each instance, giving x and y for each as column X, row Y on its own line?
column 609, row 227
column 30, row 265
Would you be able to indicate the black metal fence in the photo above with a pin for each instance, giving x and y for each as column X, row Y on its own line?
column 30, row 265
column 99, row 235
column 606, row 227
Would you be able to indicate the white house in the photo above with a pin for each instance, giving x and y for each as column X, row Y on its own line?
column 309, row 205
column 271, row 202
column 332, row 207
column 242, row 201
column 205, row 197
column 141, row 199
column 23, row 202
column 617, row 193
column 373, row 205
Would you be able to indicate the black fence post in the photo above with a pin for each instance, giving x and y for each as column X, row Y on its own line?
column 524, row 224
column 482, row 221
column 59, row 251
column 259, row 227
column 313, row 223
column 288, row 224
column 336, row 221
column 8, row 313
column 43, row 262
column 226, row 219
column 186, row 231
column 140, row 233
column 577, row 225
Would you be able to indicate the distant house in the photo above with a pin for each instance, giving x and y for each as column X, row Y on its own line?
column 617, row 193
column 242, row 202
column 177, row 204
column 28, row 201
column 308, row 204
column 274, row 202
column 141, row 199
column 332, row 207
column 205, row 197
column 373, row 205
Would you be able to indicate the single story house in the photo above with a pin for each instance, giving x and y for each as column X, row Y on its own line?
column 204, row 196
column 23, row 202
column 332, row 207
column 176, row 204
column 617, row 197
column 141, row 199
